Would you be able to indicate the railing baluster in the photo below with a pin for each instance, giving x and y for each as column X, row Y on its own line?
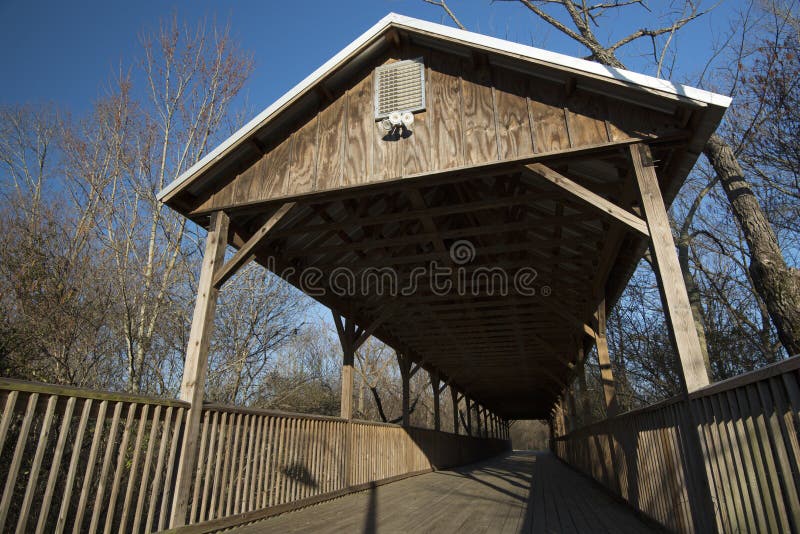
column 148, row 458
column 87, row 480
column 131, row 487
column 100, row 492
column 16, row 461
column 123, row 452
column 156, row 488
column 8, row 416
column 170, row 468
column 66, row 421
column 194, row 510
column 33, row 474
column 212, row 442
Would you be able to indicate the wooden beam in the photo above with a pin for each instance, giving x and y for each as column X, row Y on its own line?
column 558, row 310
column 437, row 424
column 246, row 253
column 404, row 362
column 454, row 399
column 468, row 406
column 195, row 367
column 364, row 333
column 604, row 360
column 668, row 271
column 453, row 174
column 346, row 330
column 414, row 368
column 592, row 199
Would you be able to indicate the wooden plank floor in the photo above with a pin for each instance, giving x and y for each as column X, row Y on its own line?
column 517, row 492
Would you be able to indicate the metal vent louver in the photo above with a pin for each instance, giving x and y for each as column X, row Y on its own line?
column 399, row 86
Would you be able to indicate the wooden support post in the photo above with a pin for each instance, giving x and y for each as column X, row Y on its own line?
column 468, row 408
column 585, row 416
column 478, row 428
column 405, row 373
column 604, row 360
column 351, row 338
column 347, row 336
column 195, row 366
column 571, row 409
column 454, row 397
column 437, row 423
column 668, row 271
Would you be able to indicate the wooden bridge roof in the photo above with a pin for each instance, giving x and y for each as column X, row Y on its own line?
column 520, row 161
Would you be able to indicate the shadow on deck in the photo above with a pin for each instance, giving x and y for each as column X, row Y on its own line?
column 516, row 492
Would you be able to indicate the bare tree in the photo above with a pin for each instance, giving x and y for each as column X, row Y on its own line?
column 191, row 76
column 54, row 297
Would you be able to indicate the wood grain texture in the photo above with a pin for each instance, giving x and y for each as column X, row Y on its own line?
column 548, row 120
column 587, row 115
column 480, row 137
column 303, row 171
column 418, row 149
column 445, row 112
column 519, row 492
column 514, row 133
column 278, row 165
column 332, row 135
column 671, row 282
column 360, row 125
column 476, row 114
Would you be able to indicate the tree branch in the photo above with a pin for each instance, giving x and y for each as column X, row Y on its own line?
column 443, row 5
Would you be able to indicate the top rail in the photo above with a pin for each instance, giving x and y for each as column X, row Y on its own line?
column 769, row 371
column 10, row 384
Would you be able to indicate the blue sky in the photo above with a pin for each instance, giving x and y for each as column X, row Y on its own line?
column 65, row 52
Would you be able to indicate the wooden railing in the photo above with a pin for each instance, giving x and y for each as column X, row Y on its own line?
column 724, row 458
column 252, row 460
column 85, row 461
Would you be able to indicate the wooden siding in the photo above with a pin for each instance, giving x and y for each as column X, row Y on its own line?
column 476, row 113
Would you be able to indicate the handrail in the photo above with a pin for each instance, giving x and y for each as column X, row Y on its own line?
column 768, row 371
column 12, row 384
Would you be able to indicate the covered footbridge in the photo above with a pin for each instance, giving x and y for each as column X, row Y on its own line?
column 477, row 205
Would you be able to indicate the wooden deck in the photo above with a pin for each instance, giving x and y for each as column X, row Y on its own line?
column 519, row 492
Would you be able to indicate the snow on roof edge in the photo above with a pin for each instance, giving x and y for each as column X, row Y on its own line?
column 530, row 52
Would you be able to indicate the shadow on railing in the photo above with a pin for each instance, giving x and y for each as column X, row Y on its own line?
column 259, row 460
column 87, row 461
column 723, row 458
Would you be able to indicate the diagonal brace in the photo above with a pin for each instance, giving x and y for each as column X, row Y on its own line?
column 592, row 199
column 247, row 252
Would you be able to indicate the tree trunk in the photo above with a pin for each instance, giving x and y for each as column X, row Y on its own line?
column 776, row 283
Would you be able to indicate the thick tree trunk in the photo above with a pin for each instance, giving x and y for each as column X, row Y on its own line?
column 776, row 283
